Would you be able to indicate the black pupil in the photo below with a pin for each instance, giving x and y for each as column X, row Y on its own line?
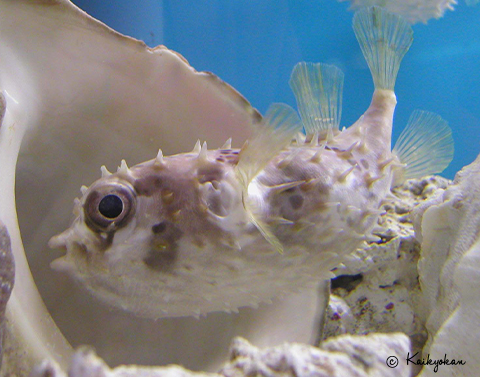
column 111, row 206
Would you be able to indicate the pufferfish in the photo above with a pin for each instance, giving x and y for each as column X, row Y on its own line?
column 216, row 230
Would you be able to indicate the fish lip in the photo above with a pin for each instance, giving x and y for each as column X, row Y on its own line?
column 58, row 242
column 58, row 264
column 63, row 264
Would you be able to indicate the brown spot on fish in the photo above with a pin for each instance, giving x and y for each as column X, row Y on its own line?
column 296, row 201
column 165, row 232
column 148, row 185
column 161, row 259
column 364, row 163
column 163, row 251
column 160, row 227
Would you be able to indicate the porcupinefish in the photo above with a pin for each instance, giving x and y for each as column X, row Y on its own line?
column 215, row 230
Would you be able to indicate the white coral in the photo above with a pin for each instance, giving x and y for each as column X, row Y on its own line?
column 412, row 10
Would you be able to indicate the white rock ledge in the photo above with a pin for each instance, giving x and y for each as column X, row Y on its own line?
column 344, row 356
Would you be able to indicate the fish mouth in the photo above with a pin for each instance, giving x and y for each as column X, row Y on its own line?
column 75, row 257
column 63, row 263
column 67, row 243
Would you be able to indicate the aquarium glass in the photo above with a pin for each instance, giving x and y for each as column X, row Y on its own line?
column 253, row 45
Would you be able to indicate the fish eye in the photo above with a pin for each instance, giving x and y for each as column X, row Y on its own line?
column 109, row 206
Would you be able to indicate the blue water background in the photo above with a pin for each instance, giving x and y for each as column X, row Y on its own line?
column 254, row 44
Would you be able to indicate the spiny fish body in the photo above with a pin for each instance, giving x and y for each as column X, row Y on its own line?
column 219, row 229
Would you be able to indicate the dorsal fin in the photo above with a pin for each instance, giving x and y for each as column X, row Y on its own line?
column 274, row 133
column 425, row 145
column 318, row 90
column 384, row 39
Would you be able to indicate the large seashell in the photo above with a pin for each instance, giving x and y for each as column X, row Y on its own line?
column 449, row 272
column 76, row 95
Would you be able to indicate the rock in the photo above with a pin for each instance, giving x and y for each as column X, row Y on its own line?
column 7, row 278
column 377, row 289
column 345, row 356
column 86, row 363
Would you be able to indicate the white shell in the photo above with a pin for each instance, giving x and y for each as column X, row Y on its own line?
column 79, row 95
column 449, row 271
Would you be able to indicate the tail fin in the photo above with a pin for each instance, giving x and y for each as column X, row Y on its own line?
column 278, row 128
column 318, row 90
column 384, row 39
column 425, row 145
